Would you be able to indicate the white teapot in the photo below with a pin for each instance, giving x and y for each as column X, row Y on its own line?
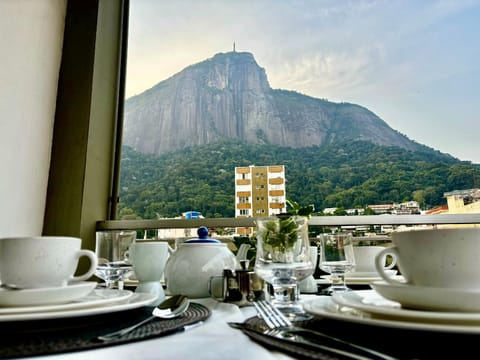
column 189, row 268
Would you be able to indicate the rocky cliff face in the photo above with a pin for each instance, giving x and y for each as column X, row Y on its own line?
column 228, row 96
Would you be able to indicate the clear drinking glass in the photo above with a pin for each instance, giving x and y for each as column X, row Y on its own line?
column 283, row 259
column 112, row 249
column 336, row 258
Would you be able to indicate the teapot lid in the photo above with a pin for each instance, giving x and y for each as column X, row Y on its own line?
column 202, row 233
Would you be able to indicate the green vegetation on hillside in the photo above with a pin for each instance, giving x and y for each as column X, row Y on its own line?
column 348, row 175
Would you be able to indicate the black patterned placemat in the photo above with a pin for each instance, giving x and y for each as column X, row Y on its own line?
column 41, row 337
column 296, row 350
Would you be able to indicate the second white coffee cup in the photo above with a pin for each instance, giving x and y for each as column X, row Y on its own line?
column 442, row 258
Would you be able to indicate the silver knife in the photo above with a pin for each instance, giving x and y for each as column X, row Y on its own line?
column 311, row 338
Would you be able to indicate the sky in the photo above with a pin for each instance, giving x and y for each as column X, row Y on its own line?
column 414, row 63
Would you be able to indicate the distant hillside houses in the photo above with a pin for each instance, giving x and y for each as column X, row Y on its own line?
column 405, row 208
column 331, row 211
column 180, row 233
column 463, row 201
column 458, row 202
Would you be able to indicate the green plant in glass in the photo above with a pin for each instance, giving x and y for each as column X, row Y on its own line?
column 281, row 234
column 283, row 256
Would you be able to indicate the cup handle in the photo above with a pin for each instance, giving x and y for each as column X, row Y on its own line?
column 93, row 265
column 392, row 263
column 380, row 264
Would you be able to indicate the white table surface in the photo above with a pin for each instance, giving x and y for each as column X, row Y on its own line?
column 214, row 339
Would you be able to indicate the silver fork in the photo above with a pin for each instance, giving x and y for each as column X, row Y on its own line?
column 281, row 327
column 271, row 315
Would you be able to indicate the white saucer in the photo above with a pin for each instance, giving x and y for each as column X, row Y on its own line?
column 430, row 298
column 97, row 297
column 365, row 274
column 135, row 301
column 324, row 307
column 357, row 280
column 43, row 296
column 370, row 301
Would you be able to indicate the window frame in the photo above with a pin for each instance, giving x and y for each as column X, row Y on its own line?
column 86, row 147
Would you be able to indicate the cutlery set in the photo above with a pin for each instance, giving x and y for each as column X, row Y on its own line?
column 279, row 327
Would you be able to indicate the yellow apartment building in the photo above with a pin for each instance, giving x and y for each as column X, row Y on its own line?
column 259, row 192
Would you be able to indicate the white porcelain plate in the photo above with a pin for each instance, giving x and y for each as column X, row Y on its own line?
column 135, row 301
column 371, row 302
column 358, row 280
column 324, row 307
column 96, row 297
column 44, row 296
column 430, row 298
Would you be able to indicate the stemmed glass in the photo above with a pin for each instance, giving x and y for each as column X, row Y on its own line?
column 336, row 258
column 112, row 248
column 283, row 259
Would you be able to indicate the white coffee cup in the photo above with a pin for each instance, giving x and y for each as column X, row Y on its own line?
column 43, row 261
column 365, row 259
column 445, row 258
column 148, row 259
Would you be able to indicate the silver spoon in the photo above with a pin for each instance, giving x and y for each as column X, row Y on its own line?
column 168, row 309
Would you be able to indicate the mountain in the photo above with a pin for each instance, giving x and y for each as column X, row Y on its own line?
column 229, row 97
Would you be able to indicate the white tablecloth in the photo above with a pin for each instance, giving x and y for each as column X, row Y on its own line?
column 214, row 339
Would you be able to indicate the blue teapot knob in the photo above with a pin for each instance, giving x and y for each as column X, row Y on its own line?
column 202, row 232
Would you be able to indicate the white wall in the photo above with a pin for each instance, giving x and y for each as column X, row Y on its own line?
column 31, row 35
